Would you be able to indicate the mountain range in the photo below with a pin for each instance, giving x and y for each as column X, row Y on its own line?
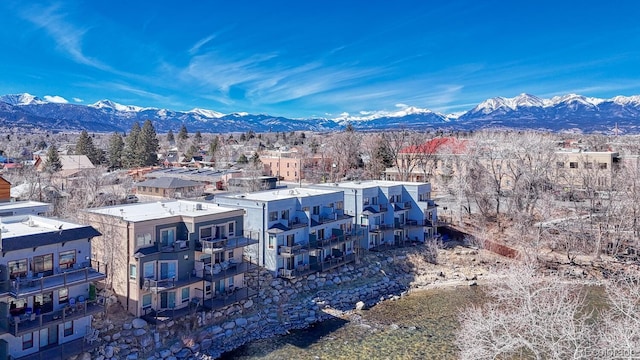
column 571, row 112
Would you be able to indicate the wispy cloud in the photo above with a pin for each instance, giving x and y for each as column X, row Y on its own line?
column 68, row 37
column 56, row 99
column 200, row 43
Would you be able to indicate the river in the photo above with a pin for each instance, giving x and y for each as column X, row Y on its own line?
column 419, row 326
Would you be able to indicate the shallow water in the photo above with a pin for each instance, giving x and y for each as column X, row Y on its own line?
column 420, row 326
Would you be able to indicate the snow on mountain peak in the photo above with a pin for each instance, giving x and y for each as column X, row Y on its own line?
column 206, row 113
column 108, row 104
column 22, row 99
column 372, row 115
column 627, row 100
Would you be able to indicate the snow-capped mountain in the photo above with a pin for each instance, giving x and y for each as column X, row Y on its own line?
column 567, row 112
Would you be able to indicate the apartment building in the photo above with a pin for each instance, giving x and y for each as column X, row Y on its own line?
column 301, row 230
column 47, row 297
column 389, row 213
column 170, row 257
column 578, row 168
column 27, row 207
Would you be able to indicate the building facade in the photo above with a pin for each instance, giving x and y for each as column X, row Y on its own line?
column 389, row 213
column 47, row 298
column 300, row 230
column 173, row 256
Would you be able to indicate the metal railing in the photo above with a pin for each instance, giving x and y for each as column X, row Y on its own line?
column 63, row 278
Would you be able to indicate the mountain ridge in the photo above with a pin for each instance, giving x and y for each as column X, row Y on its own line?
column 570, row 112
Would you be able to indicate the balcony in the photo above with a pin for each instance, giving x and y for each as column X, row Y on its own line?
column 19, row 325
column 158, row 286
column 62, row 351
column 35, row 285
column 331, row 262
column 178, row 245
column 211, row 246
column 300, row 270
column 407, row 205
column 219, row 272
column 290, row 250
column 228, row 298
column 380, row 227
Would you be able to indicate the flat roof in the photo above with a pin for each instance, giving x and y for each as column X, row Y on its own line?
column 161, row 209
column 280, row 194
column 21, row 205
column 370, row 183
column 21, row 225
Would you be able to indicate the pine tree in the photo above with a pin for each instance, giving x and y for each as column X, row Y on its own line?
column 116, row 150
column 53, row 163
column 183, row 135
column 148, row 145
column 243, row 159
column 130, row 155
column 255, row 159
column 197, row 138
column 84, row 146
column 190, row 152
column 170, row 138
column 213, row 146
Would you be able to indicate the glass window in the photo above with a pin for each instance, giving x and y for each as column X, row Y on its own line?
column 602, row 166
column 133, row 271
column 316, row 210
column 573, row 165
column 42, row 264
column 67, row 259
column 232, row 228
column 17, row 307
column 146, row 301
column 185, row 294
column 27, row 341
column 63, row 295
column 273, row 216
column 17, row 268
column 148, row 270
column 272, row 241
column 167, row 237
column 284, row 214
column 68, row 328
column 143, row 240
column 339, row 205
column 167, row 270
column 206, row 233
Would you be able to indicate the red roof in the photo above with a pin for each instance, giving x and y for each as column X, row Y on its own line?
column 437, row 145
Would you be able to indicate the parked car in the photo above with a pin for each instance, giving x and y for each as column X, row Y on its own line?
column 130, row 199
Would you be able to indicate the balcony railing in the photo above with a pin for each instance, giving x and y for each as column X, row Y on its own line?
column 158, row 286
column 407, row 204
column 290, row 250
column 331, row 262
column 219, row 272
column 300, row 270
column 229, row 297
column 18, row 325
column 210, row 245
column 64, row 278
column 178, row 245
column 330, row 241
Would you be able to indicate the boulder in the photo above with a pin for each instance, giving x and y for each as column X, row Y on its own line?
column 248, row 304
column 126, row 326
column 241, row 322
column 229, row 325
column 360, row 305
column 138, row 323
column 139, row 332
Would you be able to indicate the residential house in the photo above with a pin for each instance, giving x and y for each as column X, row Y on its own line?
column 169, row 187
column 213, row 179
column 169, row 257
column 285, row 164
column 72, row 165
column 5, row 190
column 578, row 168
column 28, row 207
column 47, row 297
column 301, row 230
column 389, row 213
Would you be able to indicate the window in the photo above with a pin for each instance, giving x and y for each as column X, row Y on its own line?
column 602, row 166
column 272, row 240
column 185, row 294
column 149, row 270
column 146, row 301
column 27, row 341
column 133, row 271
column 573, row 165
column 316, row 210
column 42, row 264
column 206, row 233
column 273, row 216
column 167, row 270
column 232, row 228
column 365, row 201
column 331, row 205
column 167, row 237
column 157, row 190
column 18, row 307
column 287, row 166
column 284, row 215
column 63, row 296
column 339, row 205
column 68, row 328
column 67, row 259
column 230, row 255
column 17, row 268
column 559, row 164
column 143, row 240
column 305, row 208
column 588, row 165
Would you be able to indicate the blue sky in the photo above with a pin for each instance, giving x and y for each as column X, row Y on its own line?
column 317, row 58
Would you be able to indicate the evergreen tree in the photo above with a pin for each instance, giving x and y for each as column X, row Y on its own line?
column 190, row 152
column 148, row 145
column 130, row 155
column 84, row 146
column 116, row 150
column 197, row 138
column 255, row 159
column 170, row 138
column 385, row 155
column 183, row 135
column 53, row 163
column 213, row 146
column 243, row 159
